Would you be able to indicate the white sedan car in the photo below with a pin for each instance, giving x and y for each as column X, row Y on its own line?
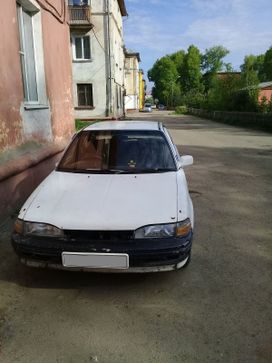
column 117, row 201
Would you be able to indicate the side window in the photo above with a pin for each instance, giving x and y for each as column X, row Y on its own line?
column 85, row 95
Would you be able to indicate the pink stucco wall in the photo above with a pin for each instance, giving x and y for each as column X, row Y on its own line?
column 58, row 73
column 15, row 190
column 267, row 93
column 58, row 77
column 11, row 91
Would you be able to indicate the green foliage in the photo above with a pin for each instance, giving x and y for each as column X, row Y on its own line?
column 191, row 76
column 164, row 74
column 181, row 110
column 249, row 71
column 191, row 79
column 212, row 60
column 257, row 68
column 81, row 124
column 229, row 67
column 265, row 106
column 193, row 99
column 178, row 59
column 149, row 100
column 267, row 66
column 245, row 101
column 220, row 97
column 211, row 63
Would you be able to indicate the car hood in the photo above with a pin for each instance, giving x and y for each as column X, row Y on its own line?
column 103, row 202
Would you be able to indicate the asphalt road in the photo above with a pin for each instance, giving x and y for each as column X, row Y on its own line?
column 216, row 310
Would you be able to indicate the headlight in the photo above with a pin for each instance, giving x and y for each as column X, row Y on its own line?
column 179, row 229
column 37, row 229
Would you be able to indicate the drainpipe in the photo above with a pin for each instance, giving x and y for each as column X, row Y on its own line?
column 108, row 58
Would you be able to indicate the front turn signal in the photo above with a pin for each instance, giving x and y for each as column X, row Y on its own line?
column 19, row 226
column 183, row 228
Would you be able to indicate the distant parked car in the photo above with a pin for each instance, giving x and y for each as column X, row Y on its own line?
column 147, row 107
column 161, row 107
column 117, row 201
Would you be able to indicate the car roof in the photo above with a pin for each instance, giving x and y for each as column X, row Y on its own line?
column 123, row 125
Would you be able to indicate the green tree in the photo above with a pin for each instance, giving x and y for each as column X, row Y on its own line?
column 178, row 59
column 267, row 66
column 249, row 71
column 164, row 74
column 221, row 96
column 191, row 77
column 247, row 98
column 258, row 66
column 212, row 62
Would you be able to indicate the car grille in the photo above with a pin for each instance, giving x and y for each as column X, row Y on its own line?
column 75, row 235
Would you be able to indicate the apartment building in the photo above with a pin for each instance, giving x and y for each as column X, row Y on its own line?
column 132, row 80
column 142, row 89
column 97, row 48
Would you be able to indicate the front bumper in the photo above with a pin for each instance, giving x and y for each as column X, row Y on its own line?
column 145, row 255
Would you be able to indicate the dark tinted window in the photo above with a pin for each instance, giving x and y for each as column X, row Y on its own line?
column 85, row 95
column 118, row 151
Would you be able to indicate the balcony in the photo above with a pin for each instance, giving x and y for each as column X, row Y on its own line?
column 80, row 17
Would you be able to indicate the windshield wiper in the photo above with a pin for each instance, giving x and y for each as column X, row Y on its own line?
column 157, row 170
column 113, row 171
column 149, row 171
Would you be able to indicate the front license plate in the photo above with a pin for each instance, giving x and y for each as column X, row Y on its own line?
column 95, row 260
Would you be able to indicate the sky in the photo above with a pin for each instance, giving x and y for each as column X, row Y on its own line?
column 158, row 27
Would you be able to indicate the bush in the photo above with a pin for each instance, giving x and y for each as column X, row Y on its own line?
column 245, row 101
column 181, row 110
column 193, row 99
column 265, row 106
column 79, row 124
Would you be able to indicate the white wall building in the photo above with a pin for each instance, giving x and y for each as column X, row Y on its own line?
column 132, row 98
column 97, row 57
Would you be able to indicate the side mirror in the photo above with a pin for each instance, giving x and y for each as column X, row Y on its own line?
column 186, row 160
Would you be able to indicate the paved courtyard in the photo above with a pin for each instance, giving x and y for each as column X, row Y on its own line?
column 216, row 310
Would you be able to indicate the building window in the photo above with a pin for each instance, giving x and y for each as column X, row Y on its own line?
column 85, row 95
column 27, row 54
column 78, row 2
column 82, row 48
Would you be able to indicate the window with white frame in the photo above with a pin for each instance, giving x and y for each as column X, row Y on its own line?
column 31, row 53
column 27, row 54
column 79, row 2
column 82, row 47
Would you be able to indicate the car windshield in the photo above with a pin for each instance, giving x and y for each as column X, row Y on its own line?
column 118, row 152
column 148, row 105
